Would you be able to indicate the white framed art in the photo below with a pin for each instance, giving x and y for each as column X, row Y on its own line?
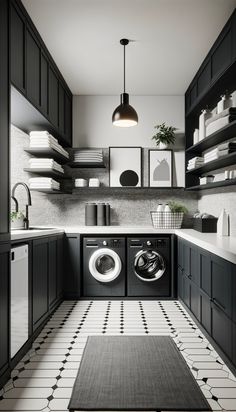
column 125, row 164
column 160, row 168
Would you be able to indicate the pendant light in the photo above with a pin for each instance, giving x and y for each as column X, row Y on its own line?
column 124, row 115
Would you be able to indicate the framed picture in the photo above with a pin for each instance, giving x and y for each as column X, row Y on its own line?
column 160, row 168
column 125, row 164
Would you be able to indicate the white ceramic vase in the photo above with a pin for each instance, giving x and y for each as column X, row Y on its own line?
column 162, row 146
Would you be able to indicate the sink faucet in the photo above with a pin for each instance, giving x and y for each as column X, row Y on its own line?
column 26, row 219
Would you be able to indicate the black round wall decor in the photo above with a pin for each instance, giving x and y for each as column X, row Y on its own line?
column 129, row 178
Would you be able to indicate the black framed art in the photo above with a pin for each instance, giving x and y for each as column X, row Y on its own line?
column 160, row 168
column 125, row 166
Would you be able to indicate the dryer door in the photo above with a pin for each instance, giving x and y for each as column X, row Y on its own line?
column 149, row 265
column 105, row 265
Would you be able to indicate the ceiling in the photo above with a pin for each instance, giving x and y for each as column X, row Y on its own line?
column 172, row 37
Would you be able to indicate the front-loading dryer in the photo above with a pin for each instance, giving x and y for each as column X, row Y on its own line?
column 104, row 267
column 149, row 267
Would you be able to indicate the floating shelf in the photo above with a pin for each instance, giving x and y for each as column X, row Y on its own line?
column 51, row 191
column 213, row 185
column 79, row 165
column 46, row 172
column 47, row 152
column 217, row 164
column 110, row 188
column 222, row 135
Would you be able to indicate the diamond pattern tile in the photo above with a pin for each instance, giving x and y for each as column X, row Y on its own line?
column 43, row 380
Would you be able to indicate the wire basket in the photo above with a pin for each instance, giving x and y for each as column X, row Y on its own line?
column 167, row 220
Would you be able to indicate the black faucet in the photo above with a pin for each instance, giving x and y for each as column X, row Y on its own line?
column 26, row 219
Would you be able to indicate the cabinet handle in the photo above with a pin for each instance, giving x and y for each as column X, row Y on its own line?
column 218, row 305
column 190, row 276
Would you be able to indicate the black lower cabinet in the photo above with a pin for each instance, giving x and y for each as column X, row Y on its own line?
column 60, row 266
column 52, row 271
column 40, row 281
column 205, row 312
column 4, row 307
column 195, row 300
column 180, row 283
column 72, row 286
column 186, row 290
column 222, row 330
column 234, row 343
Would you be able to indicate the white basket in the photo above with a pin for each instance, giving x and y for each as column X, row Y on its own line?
column 167, row 220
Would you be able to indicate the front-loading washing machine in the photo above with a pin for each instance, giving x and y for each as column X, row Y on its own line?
column 104, row 267
column 149, row 267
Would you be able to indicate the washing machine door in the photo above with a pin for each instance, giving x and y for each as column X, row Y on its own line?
column 149, row 265
column 105, row 265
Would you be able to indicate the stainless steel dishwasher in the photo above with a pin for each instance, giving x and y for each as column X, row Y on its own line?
column 19, row 298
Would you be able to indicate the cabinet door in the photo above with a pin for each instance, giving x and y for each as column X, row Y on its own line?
column 68, row 119
column 194, row 264
column 72, row 269
column 205, row 271
column 61, row 110
column 222, row 55
column 233, row 270
column 17, row 49
column 40, row 280
column 44, row 84
column 60, row 266
column 180, row 253
column 32, row 68
column 205, row 312
column 221, row 330
column 4, row 305
column 195, row 300
column 53, row 97
column 186, row 290
column 204, row 78
column 234, row 344
column 180, row 283
column 221, row 284
column 52, row 270
column 186, row 258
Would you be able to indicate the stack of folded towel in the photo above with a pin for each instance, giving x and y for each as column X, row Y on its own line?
column 46, row 140
column 195, row 162
column 88, row 156
column 45, row 164
column 220, row 120
column 43, row 183
column 222, row 150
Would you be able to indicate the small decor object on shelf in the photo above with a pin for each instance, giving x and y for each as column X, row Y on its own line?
column 204, row 116
column 206, row 179
column 94, row 182
column 17, row 220
column 225, row 102
column 196, row 136
column 164, row 136
column 125, row 164
column 81, row 183
column 204, row 223
column 160, row 168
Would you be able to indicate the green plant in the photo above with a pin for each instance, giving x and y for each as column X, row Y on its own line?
column 177, row 207
column 16, row 215
column 165, row 134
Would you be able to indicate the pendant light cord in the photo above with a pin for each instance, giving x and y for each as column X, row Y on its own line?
column 124, row 68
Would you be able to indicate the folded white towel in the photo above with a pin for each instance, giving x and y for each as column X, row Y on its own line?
column 217, row 125
column 39, row 132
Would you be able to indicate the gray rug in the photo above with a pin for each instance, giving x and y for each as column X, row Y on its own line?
column 135, row 373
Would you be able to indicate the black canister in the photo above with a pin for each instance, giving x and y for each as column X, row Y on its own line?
column 90, row 214
column 108, row 214
column 101, row 214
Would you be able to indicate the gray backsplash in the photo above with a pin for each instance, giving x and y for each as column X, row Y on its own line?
column 130, row 207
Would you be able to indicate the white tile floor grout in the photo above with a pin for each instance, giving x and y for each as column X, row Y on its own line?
column 43, row 380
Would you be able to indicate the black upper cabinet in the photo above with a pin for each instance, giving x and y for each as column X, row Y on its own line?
column 35, row 74
column 32, row 68
column 17, row 34
column 204, row 77
column 53, row 97
column 52, row 270
column 222, row 53
column 44, row 85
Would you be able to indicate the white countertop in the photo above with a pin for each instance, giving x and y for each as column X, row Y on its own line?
column 224, row 247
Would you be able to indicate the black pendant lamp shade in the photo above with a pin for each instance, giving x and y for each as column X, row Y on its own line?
column 124, row 115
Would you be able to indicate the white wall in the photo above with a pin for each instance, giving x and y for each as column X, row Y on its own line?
column 92, row 125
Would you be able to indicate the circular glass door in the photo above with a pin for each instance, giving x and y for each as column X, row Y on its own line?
column 105, row 265
column 149, row 265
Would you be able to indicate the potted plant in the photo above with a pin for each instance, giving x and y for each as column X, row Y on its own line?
column 164, row 136
column 177, row 214
column 17, row 220
column 177, row 207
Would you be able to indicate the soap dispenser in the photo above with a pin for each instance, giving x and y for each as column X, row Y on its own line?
column 225, row 102
column 205, row 115
column 223, row 224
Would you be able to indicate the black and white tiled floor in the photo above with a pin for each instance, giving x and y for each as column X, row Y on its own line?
column 43, row 380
